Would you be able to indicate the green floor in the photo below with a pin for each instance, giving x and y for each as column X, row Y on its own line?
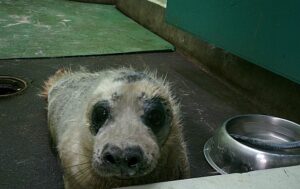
column 54, row 28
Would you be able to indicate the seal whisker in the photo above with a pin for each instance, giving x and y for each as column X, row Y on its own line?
column 77, row 176
column 79, row 164
column 78, row 153
column 92, row 180
column 79, row 171
column 83, row 177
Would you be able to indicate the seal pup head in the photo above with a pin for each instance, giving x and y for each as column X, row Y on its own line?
column 129, row 117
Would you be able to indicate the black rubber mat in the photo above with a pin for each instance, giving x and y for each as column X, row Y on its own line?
column 26, row 159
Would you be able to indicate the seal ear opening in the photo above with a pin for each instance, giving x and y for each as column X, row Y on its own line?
column 48, row 84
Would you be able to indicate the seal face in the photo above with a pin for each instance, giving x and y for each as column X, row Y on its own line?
column 115, row 128
column 128, row 129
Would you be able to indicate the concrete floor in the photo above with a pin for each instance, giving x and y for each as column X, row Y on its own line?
column 72, row 29
column 26, row 159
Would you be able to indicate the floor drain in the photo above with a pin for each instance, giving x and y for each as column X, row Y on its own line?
column 10, row 86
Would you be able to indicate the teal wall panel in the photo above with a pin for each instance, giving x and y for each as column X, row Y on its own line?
column 265, row 32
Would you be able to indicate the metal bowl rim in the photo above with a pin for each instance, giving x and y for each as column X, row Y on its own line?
column 225, row 124
column 209, row 159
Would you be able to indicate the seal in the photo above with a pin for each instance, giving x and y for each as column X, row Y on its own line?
column 115, row 128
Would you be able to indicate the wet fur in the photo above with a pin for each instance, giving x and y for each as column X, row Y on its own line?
column 75, row 146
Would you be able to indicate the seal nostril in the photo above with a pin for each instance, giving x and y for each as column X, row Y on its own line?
column 109, row 158
column 133, row 161
column 133, row 156
column 111, row 155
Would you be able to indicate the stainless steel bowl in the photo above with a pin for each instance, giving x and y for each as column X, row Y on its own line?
column 227, row 155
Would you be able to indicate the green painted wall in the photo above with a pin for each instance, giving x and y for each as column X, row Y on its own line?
column 265, row 32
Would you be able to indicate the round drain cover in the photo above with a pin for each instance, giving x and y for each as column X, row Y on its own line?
column 10, row 86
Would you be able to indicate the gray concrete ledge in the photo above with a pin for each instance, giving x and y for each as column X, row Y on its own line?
column 271, row 92
column 281, row 178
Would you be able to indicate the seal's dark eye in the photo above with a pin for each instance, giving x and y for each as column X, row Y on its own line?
column 99, row 115
column 155, row 117
column 154, row 114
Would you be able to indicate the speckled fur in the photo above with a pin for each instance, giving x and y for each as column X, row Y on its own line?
column 70, row 98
